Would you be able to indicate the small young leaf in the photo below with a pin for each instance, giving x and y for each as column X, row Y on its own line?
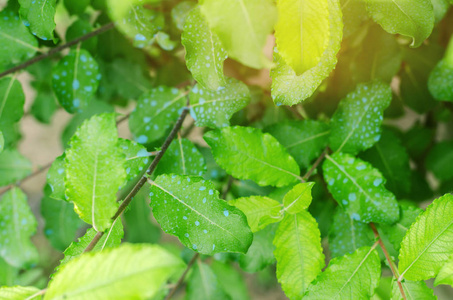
column 155, row 112
column 95, row 170
column 204, row 51
column 260, row 211
column 215, row 108
column 127, row 272
column 18, row 225
column 203, row 284
column 55, row 178
column 19, row 292
column 39, row 16
column 440, row 160
column 62, row 222
column 440, row 79
column 428, row 243
column 347, row 235
column 293, row 78
column 190, row 208
column 412, row 290
column 359, row 189
column 353, row 276
column 13, row 167
column 355, row 126
column 256, row 156
column 182, row 158
column 445, row 275
column 137, row 159
column 75, row 80
column 299, row 198
column 17, row 44
column 312, row 137
column 414, row 19
column 242, row 28
column 298, row 252
column 261, row 252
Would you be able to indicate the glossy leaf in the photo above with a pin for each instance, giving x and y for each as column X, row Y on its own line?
column 414, row 19
column 256, row 156
column 18, row 225
column 359, row 189
column 137, row 159
column 445, row 275
column 95, row 170
column 12, row 101
column 19, row 292
column 242, row 28
column 13, row 167
column 353, row 276
column 203, row 284
column 55, row 178
column 156, row 111
column 412, row 290
column 299, row 198
column 440, row 80
column 260, row 211
column 304, row 140
column 347, row 235
column 182, row 158
column 428, row 243
column 296, row 79
column 215, row 108
column 355, row 126
column 298, row 252
column 39, row 16
column 75, row 80
column 204, row 51
column 189, row 208
column 128, row 78
column 130, row 271
column 180, row 12
column 16, row 42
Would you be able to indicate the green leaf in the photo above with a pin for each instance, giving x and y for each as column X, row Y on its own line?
column 18, row 292
column 76, row 7
column 8, row 273
column 164, row 41
column 298, row 252
column 215, row 108
column 62, row 222
column 359, row 189
column 156, row 111
column 242, row 28
column 347, row 235
column 75, row 80
column 203, row 284
column 440, row 159
column 413, row 290
column 180, row 12
column 231, row 281
column 55, row 178
column 204, row 51
column 136, row 21
column 258, row 156
column 44, row 106
column 182, row 158
column 445, row 275
column 111, row 239
column 189, row 208
column 18, row 225
column 353, row 276
column 396, row 232
column 390, row 157
column 2, row 142
column 80, row 28
column 13, row 167
column 261, row 252
column 95, row 170
column 355, row 126
column 428, row 243
column 17, row 44
column 137, row 159
column 439, row 83
column 354, row 15
column 299, row 198
column 298, row 73
column 127, row 272
column 260, row 211
column 312, row 137
column 39, row 16
column 414, row 19
column 12, row 101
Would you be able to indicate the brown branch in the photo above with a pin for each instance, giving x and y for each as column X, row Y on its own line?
column 183, row 275
column 142, row 180
column 35, row 173
column 57, row 49
column 315, row 165
column 389, row 259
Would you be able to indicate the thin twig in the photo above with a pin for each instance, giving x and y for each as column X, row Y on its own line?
column 38, row 293
column 183, row 276
column 35, row 173
column 57, row 49
column 389, row 260
column 315, row 165
column 143, row 180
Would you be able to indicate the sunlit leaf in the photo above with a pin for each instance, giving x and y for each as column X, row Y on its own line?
column 13, row 167
column 39, row 16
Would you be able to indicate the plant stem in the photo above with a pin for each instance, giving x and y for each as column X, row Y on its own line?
column 315, row 165
column 143, row 180
column 57, row 49
column 183, row 275
column 389, row 260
